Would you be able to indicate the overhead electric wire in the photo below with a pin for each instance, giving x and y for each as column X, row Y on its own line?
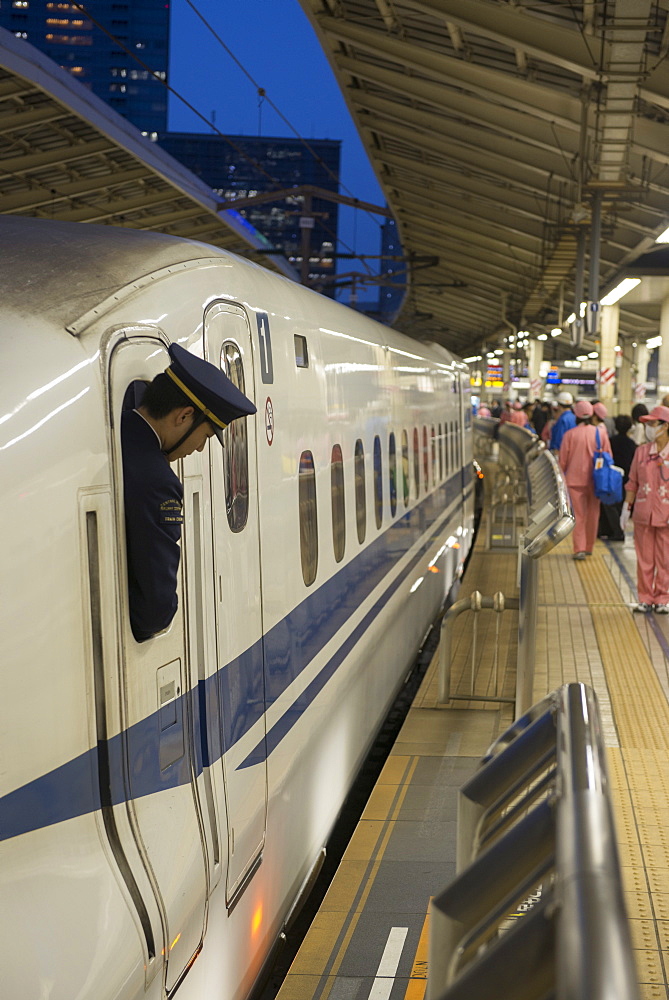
column 261, row 91
column 191, row 107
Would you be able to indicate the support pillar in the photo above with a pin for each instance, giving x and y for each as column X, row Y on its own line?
column 607, row 354
column 624, row 380
column 641, row 357
column 535, row 356
column 663, row 362
column 506, row 374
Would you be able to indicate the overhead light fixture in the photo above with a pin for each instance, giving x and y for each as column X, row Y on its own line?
column 544, row 336
column 654, row 342
column 581, row 357
column 498, row 352
column 593, row 354
column 570, row 319
column 625, row 286
column 663, row 237
column 557, row 331
column 568, row 363
column 469, row 361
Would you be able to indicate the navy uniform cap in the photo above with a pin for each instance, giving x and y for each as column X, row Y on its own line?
column 208, row 389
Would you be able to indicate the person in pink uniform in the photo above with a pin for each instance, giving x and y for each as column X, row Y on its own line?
column 518, row 415
column 648, row 490
column 506, row 412
column 576, row 461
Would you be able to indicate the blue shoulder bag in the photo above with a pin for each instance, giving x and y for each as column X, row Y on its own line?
column 607, row 477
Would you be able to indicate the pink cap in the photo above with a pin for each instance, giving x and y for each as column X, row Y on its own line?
column 583, row 409
column 600, row 411
column 657, row 413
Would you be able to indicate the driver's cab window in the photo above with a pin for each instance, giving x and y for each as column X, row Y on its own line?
column 235, row 446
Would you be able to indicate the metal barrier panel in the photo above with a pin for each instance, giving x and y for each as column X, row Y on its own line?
column 536, row 821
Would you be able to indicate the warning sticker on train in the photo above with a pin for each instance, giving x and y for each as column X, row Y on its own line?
column 269, row 421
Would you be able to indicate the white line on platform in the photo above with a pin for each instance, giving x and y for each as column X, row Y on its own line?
column 385, row 974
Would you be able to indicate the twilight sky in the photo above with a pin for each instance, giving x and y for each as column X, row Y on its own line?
column 276, row 44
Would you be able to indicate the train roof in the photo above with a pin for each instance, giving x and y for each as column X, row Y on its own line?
column 67, row 268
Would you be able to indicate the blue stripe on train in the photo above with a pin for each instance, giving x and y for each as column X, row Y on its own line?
column 73, row 788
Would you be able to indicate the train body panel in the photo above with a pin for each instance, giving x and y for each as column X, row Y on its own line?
column 165, row 801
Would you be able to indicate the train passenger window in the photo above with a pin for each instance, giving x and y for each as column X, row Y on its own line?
column 426, row 465
column 392, row 474
column 416, row 462
column 378, row 482
column 338, row 503
column 308, row 518
column 360, row 492
column 301, row 352
column 405, row 467
column 441, row 454
column 235, row 446
column 434, row 457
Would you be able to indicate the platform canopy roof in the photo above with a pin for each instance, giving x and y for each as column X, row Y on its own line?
column 492, row 125
column 65, row 154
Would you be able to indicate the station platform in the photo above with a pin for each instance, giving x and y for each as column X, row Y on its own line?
column 369, row 940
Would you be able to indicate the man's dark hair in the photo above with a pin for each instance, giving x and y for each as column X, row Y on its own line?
column 640, row 410
column 623, row 423
column 162, row 396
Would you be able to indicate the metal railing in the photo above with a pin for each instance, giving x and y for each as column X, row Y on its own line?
column 537, row 909
column 547, row 519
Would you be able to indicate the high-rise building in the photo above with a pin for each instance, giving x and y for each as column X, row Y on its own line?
column 65, row 34
column 242, row 166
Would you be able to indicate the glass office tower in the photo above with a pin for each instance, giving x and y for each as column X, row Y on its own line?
column 241, row 166
column 73, row 41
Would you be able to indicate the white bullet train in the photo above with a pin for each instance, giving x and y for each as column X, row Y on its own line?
column 164, row 804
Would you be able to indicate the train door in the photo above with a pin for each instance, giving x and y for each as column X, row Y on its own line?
column 157, row 692
column 238, row 601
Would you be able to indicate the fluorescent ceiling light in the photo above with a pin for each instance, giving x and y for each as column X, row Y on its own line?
column 556, row 331
column 544, row 336
column 593, row 354
column 625, row 286
column 581, row 357
column 663, row 237
column 654, row 342
column 468, row 361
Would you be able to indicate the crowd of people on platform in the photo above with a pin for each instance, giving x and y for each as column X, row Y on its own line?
column 639, row 446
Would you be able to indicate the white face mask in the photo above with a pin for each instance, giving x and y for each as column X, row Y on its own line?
column 651, row 432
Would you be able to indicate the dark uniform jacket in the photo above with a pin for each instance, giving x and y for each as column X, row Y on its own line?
column 153, row 517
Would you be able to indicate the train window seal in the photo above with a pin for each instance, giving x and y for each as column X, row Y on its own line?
column 406, row 480
column 360, row 491
column 301, row 351
column 308, row 517
column 235, row 446
column 392, row 473
column 338, row 503
column 416, row 461
column 378, row 482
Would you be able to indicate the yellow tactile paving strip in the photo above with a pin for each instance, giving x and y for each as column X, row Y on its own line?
column 639, row 765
